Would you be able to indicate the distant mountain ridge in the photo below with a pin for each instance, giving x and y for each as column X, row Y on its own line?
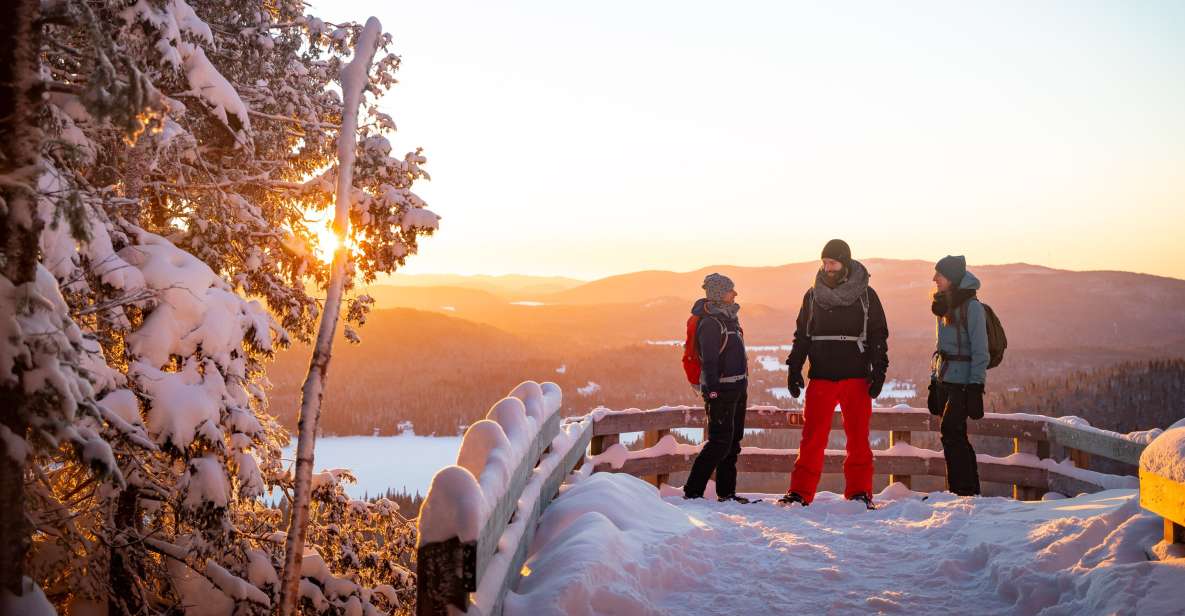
column 1041, row 307
column 509, row 285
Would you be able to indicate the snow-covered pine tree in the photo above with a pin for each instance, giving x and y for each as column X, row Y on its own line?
column 162, row 185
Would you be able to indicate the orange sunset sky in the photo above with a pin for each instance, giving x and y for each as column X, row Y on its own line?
column 587, row 139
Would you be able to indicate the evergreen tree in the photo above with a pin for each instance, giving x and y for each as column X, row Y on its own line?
column 159, row 161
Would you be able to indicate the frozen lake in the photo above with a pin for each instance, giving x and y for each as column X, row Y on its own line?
column 404, row 462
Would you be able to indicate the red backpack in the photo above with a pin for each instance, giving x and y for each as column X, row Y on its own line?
column 691, row 360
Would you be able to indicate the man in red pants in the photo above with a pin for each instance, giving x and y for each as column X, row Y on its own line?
column 842, row 330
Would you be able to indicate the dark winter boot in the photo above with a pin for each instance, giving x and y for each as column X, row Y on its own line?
column 864, row 498
column 740, row 499
column 791, row 498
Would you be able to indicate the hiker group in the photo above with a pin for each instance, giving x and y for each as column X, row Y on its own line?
column 842, row 330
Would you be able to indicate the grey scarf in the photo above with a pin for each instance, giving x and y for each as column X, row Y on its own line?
column 721, row 309
column 848, row 291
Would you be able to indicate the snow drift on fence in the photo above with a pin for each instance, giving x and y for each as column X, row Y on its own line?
column 1165, row 456
column 611, row 545
column 462, row 496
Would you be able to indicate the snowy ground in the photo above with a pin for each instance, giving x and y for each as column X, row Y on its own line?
column 611, row 545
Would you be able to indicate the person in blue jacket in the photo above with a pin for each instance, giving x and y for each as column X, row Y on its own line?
column 724, row 384
column 960, row 368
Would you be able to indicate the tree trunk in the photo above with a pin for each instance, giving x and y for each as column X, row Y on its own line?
column 125, row 566
column 20, row 226
column 354, row 79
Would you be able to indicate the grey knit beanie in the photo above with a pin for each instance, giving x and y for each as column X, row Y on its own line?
column 716, row 286
column 953, row 268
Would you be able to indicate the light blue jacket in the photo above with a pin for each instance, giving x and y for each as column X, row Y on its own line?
column 972, row 341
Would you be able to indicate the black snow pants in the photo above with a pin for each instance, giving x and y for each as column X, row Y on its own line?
column 726, row 428
column 962, row 470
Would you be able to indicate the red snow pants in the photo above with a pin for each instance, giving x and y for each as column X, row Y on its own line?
column 821, row 398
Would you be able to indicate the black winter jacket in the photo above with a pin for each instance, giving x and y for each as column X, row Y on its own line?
column 729, row 363
column 834, row 360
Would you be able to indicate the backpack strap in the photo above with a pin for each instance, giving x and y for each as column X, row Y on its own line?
column 859, row 340
column 723, row 334
column 810, row 318
column 864, row 333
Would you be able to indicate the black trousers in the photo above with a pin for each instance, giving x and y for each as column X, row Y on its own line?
column 962, row 470
column 726, row 428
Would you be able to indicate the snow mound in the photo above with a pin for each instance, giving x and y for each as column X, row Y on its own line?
column 1165, row 456
column 455, row 507
column 611, row 545
column 596, row 542
column 463, row 495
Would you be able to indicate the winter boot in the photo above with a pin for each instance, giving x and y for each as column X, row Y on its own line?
column 791, row 498
column 864, row 498
column 733, row 497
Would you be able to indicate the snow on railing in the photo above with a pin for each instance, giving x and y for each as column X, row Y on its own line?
column 1162, row 487
column 1029, row 469
column 479, row 516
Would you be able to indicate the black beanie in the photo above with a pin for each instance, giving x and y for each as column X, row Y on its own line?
column 838, row 250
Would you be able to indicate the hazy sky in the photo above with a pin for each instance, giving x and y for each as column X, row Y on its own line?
column 592, row 138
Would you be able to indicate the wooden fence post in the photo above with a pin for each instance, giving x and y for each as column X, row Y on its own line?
column 900, row 436
column 1036, row 448
column 651, row 438
column 602, row 442
column 1173, row 532
column 1080, row 458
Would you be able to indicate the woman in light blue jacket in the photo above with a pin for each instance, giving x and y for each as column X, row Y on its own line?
column 960, row 368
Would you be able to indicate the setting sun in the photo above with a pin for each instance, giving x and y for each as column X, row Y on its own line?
column 327, row 242
column 320, row 225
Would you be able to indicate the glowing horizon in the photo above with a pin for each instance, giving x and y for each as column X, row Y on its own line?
column 593, row 140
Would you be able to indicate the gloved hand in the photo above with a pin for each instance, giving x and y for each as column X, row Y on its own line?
column 707, row 393
column 795, row 383
column 875, row 385
column 974, row 400
column 936, row 398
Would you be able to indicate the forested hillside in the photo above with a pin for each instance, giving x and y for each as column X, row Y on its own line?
column 1124, row 398
column 441, row 372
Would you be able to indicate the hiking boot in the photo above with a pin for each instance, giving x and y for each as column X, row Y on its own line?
column 733, row 497
column 791, row 498
column 864, row 498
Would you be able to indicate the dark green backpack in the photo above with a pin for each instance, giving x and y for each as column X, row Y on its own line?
column 997, row 339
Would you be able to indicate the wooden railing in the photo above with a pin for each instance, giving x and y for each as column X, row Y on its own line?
column 468, row 572
column 1031, row 475
column 476, row 571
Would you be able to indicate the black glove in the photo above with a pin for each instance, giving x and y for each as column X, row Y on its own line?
column 795, row 383
column 974, row 400
column 936, row 398
column 875, row 385
column 707, row 392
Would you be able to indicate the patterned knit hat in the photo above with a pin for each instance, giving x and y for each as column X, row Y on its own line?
column 716, row 286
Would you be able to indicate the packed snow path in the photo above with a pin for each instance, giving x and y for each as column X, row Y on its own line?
column 611, row 545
